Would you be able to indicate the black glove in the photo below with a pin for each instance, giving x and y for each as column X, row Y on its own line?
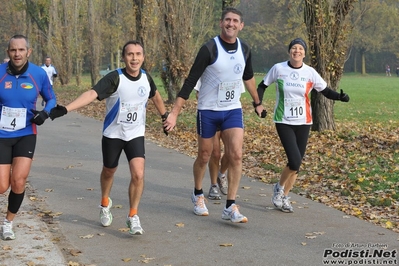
column 164, row 117
column 39, row 117
column 263, row 114
column 58, row 111
column 343, row 97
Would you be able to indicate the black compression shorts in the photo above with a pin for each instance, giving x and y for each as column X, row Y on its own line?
column 112, row 149
column 17, row 147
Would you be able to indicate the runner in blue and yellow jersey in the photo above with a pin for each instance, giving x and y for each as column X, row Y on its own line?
column 21, row 82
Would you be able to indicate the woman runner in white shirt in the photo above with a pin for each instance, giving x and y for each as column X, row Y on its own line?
column 293, row 114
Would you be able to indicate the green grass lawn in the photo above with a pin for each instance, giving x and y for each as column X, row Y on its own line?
column 373, row 98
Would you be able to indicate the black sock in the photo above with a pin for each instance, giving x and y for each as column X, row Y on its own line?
column 198, row 192
column 229, row 202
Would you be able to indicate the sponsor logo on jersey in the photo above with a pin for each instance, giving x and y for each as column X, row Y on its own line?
column 296, row 85
column 141, row 91
column 27, row 86
column 294, row 75
column 238, row 68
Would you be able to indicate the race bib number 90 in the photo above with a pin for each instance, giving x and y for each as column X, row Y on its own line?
column 131, row 114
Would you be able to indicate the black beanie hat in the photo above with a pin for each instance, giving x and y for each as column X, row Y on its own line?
column 298, row 41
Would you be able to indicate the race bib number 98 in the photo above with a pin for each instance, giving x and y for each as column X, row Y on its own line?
column 229, row 92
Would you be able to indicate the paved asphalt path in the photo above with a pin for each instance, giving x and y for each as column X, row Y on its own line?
column 65, row 179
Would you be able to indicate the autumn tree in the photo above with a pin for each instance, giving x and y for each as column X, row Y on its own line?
column 147, row 30
column 328, row 28
column 180, row 37
column 261, row 33
column 232, row 3
column 375, row 28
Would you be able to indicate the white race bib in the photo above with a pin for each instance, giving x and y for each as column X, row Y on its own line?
column 12, row 118
column 229, row 92
column 131, row 114
column 294, row 108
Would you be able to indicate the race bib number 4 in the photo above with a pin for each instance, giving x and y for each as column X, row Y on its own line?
column 12, row 118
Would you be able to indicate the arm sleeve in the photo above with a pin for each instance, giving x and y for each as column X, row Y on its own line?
column 261, row 90
column 330, row 94
column 248, row 71
column 48, row 94
column 152, row 86
column 106, row 86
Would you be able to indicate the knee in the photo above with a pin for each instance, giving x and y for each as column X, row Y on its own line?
column 203, row 158
column 137, row 177
column 216, row 154
column 108, row 172
column 18, row 185
column 3, row 188
column 235, row 156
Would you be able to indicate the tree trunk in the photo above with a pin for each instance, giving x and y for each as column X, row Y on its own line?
column 323, row 119
column 327, row 31
column 78, row 58
column 355, row 61
column 363, row 55
column 178, row 43
column 94, row 43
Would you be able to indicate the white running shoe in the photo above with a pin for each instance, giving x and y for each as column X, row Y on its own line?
column 222, row 182
column 287, row 207
column 134, row 224
column 214, row 192
column 199, row 205
column 105, row 214
column 7, row 232
column 278, row 195
column 233, row 214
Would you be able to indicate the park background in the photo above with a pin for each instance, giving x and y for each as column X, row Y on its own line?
column 86, row 36
column 353, row 168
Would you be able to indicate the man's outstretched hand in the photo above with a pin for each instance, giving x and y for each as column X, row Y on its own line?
column 58, row 111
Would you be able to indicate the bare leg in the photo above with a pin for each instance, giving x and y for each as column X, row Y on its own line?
column 136, row 186
column 205, row 147
column 233, row 141
column 215, row 159
column 106, row 181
